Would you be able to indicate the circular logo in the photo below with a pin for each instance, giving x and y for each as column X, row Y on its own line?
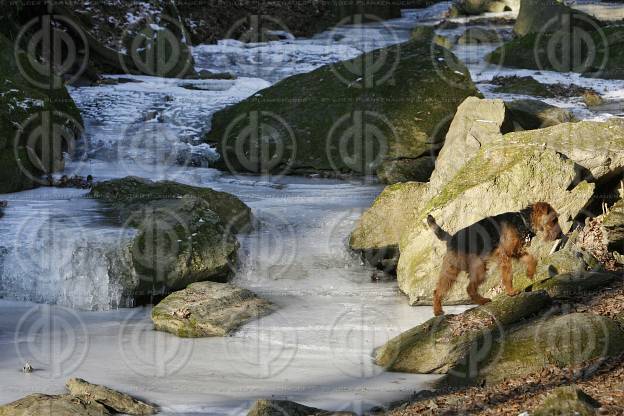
column 354, row 334
column 158, row 47
column 373, row 68
column 571, row 48
column 268, row 248
column 43, row 140
column 53, row 339
column 51, row 51
column 359, row 142
column 164, row 241
column 572, row 342
column 255, row 29
column 151, row 353
column 260, row 142
column 263, row 348
column 151, row 149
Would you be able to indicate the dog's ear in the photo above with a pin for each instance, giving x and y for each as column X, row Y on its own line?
column 539, row 215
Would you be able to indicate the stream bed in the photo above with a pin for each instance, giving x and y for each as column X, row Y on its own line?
column 316, row 349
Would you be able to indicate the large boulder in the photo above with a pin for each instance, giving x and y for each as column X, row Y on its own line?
column 208, row 309
column 444, row 342
column 572, row 285
column 563, row 341
column 504, row 176
column 119, row 402
column 476, row 123
column 184, row 234
column 354, row 119
column 26, row 106
column 601, row 55
column 613, row 227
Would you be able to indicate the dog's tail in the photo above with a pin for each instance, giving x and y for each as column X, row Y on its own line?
column 437, row 230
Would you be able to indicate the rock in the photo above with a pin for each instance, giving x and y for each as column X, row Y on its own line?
column 563, row 341
column 184, row 235
column 522, row 85
column 406, row 107
column 205, row 74
column 208, row 309
column 406, row 170
column 287, row 408
column 570, row 285
column 380, row 228
column 550, row 16
column 613, row 227
column 476, row 123
column 131, row 190
column 479, row 35
column 119, row 402
column 533, row 115
column 444, row 342
column 63, row 405
column 23, row 107
column 564, row 401
column 476, row 7
column 595, row 146
column 503, row 176
column 605, row 59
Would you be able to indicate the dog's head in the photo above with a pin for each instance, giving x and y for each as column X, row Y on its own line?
column 545, row 218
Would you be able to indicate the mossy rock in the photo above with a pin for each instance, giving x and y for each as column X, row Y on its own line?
column 477, row 35
column 288, row 408
column 502, row 177
column 184, row 234
column 380, row 228
column 571, row 285
column 524, row 85
column 565, row 401
column 61, row 405
column 402, row 110
column 23, row 107
column 130, row 191
column 534, row 114
column 208, row 309
column 564, row 341
column 596, row 147
column 604, row 60
column 444, row 342
column 119, row 402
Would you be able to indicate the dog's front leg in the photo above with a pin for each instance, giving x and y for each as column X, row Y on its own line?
column 531, row 265
column 504, row 263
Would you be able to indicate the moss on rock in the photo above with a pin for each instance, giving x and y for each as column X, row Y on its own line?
column 445, row 342
column 208, row 309
column 401, row 107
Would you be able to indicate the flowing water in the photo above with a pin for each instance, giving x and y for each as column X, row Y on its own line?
column 57, row 247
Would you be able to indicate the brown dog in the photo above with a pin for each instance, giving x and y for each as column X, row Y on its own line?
column 503, row 237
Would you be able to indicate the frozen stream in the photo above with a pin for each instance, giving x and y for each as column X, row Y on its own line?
column 316, row 349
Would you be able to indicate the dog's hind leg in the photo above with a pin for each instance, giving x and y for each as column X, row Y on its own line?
column 477, row 277
column 531, row 265
column 448, row 275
